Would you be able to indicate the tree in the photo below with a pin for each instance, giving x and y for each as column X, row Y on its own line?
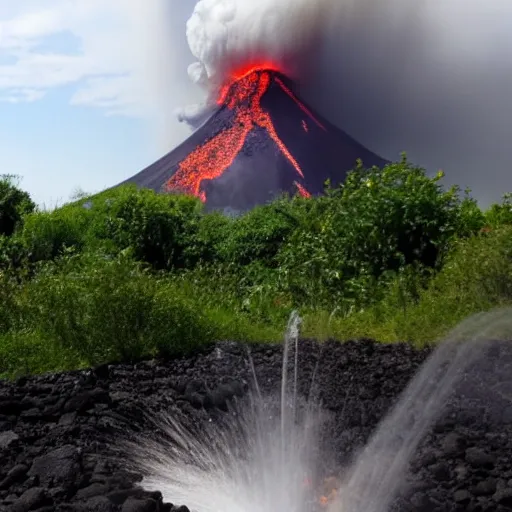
column 14, row 204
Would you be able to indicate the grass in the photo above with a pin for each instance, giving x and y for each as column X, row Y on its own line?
column 84, row 310
column 477, row 276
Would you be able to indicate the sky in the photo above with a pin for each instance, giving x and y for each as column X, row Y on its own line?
column 81, row 105
column 90, row 89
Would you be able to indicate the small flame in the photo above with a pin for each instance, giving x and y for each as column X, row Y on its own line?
column 325, row 500
column 330, row 491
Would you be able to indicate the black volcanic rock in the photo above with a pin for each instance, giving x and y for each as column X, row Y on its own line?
column 256, row 167
column 68, row 461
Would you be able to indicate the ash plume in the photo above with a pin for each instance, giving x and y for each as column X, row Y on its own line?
column 431, row 77
column 225, row 35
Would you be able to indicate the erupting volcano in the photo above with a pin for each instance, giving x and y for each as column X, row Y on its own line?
column 261, row 141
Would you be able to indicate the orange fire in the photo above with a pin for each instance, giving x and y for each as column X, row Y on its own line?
column 243, row 96
column 325, row 500
column 329, row 491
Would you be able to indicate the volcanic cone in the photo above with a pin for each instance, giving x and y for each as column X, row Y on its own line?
column 260, row 142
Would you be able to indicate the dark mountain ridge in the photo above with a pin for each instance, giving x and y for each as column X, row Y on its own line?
column 260, row 142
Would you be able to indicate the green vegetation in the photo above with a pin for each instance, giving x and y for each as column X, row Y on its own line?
column 129, row 273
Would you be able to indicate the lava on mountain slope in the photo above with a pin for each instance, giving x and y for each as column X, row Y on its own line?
column 210, row 160
column 260, row 142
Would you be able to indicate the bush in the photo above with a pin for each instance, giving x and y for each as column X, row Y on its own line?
column 81, row 310
column 27, row 352
column 109, row 308
column 8, row 308
column 161, row 229
column 476, row 276
column 259, row 234
column 13, row 254
column 377, row 223
column 14, row 204
column 500, row 214
column 166, row 231
column 48, row 235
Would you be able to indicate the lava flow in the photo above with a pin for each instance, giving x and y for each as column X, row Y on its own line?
column 209, row 160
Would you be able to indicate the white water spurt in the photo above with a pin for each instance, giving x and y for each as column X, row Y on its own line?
column 258, row 459
column 378, row 473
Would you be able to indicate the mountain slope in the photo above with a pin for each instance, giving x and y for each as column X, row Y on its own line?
column 261, row 141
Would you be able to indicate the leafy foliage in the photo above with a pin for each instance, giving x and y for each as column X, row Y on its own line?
column 48, row 235
column 14, row 204
column 129, row 273
column 378, row 222
column 500, row 214
column 161, row 229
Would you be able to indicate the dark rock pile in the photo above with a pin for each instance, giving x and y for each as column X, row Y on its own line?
column 57, row 432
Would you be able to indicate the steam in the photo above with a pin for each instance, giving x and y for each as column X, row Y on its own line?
column 431, row 77
column 226, row 34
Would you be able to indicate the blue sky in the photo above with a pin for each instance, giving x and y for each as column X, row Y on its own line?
column 81, row 104
column 57, row 148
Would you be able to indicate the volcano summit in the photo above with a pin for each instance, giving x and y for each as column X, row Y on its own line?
column 261, row 141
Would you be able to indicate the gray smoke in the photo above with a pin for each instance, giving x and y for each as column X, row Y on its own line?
column 431, row 77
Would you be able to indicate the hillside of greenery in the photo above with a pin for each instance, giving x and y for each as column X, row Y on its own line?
column 128, row 273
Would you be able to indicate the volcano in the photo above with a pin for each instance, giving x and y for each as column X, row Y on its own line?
column 261, row 141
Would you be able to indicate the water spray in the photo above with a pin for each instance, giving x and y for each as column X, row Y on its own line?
column 264, row 454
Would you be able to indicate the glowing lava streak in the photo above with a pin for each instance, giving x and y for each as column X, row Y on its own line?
column 301, row 105
column 302, row 191
column 211, row 159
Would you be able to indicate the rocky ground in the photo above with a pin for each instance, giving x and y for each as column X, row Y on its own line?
column 58, row 432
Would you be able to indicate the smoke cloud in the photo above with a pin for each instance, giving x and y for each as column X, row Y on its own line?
column 430, row 77
column 227, row 34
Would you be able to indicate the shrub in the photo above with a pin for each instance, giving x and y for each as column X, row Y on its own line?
column 13, row 254
column 166, row 231
column 49, row 234
column 26, row 352
column 104, row 308
column 209, row 241
column 500, row 214
column 476, row 276
column 379, row 221
column 14, row 205
column 161, row 229
column 259, row 234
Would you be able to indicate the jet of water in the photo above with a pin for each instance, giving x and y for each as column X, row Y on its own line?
column 257, row 459
column 291, row 336
column 379, row 472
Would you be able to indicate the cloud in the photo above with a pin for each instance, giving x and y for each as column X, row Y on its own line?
column 102, row 48
column 23, row 39
column 22, row 95
column 126, row 57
